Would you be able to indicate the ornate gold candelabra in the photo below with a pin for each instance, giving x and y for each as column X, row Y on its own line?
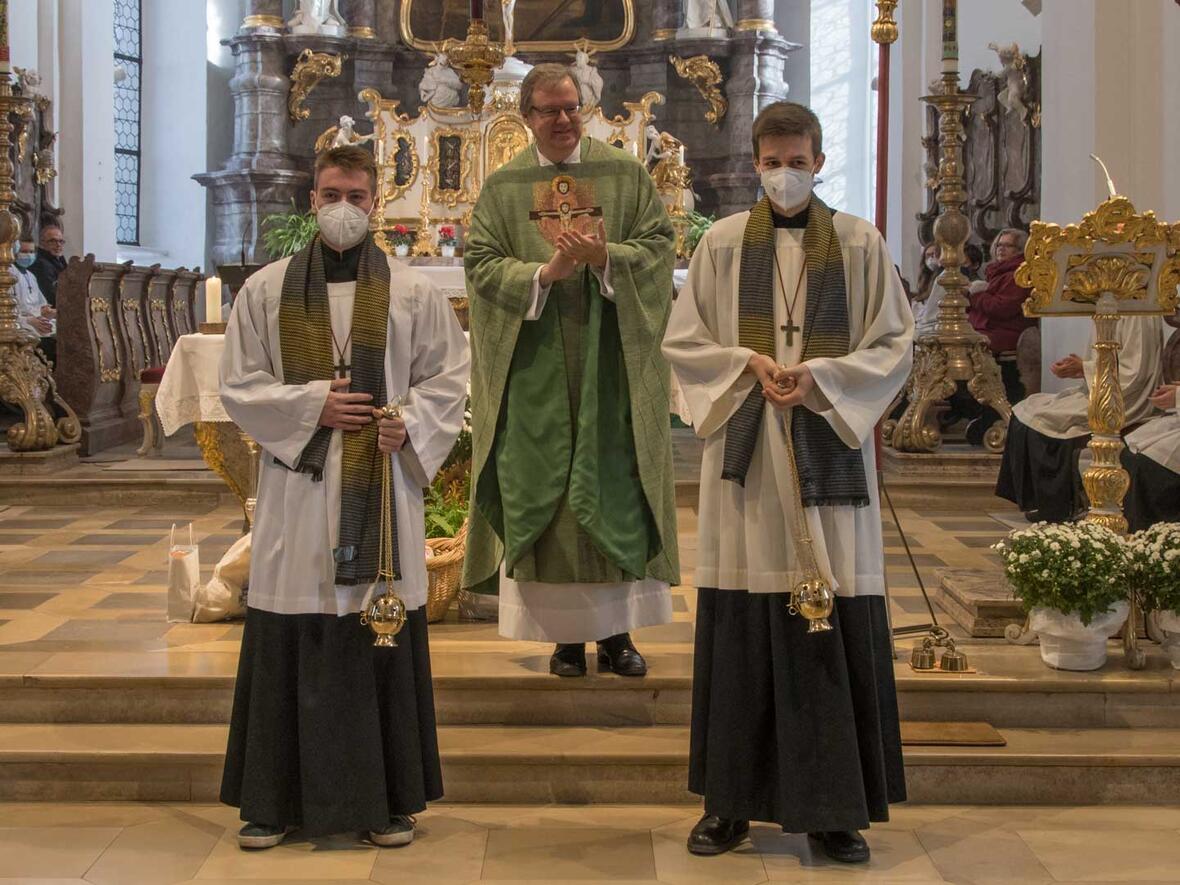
column 474, row 59
column 954, row 352
column 26, row 380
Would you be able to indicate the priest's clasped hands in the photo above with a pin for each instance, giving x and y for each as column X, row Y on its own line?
column 782, row 387
column 573, row 249
column 352, row 411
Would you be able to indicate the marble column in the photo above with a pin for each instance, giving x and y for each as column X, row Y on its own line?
column 755, row 80
column 755, row 15
column 264, row 14
column 260, row 177
column 361, row 16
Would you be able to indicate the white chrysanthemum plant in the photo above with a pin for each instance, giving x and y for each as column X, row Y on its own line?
column 1074, row 581
column 1155, row 575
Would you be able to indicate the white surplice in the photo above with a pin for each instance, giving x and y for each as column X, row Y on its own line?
column 744, row 537
column 542, row 612
column 1159, row 440
column 296, row 525
column 1063, row 415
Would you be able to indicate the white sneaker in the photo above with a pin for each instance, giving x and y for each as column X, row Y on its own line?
column 399, row 832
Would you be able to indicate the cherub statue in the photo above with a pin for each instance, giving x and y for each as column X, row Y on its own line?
column 589, row 80
column 26, row 80
column 707, row 14
column 440, row 84
column 340, row 135
column 1015, row 76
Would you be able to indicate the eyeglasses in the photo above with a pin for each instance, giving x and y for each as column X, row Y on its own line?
column 554, row 113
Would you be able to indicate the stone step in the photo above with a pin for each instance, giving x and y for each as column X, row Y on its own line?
column 88, row 486
column 1011, row 688
column 578, row 765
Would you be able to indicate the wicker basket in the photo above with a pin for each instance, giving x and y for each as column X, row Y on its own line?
column 445, row 572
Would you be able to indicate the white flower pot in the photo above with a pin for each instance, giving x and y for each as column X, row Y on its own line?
column 447, row 251
column 1169, row 622
column 1068, row 644
column 401, row 251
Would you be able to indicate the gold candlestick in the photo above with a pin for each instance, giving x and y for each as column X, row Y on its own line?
column 954, row 352
column 26, row 379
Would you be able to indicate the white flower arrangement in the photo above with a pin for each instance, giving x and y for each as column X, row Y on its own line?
column 1082, row 567
column 1155, row 565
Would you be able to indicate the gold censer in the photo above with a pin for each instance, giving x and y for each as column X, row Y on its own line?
column 386, row 614
column 812, row 597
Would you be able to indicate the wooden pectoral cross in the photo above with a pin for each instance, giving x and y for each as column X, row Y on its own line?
column 790, row 328
column 342, row 368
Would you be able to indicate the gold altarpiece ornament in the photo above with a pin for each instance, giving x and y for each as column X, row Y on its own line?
column 26, row 377
column 1117, row 262
column 954, row 353
column 703, row 73
column 310, row 68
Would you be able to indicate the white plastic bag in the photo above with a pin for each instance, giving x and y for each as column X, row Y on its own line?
column 224, row 597
column 184, row 576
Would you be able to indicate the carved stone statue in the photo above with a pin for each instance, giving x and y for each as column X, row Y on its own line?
column 508, row 10
column 440, row 84
column 1015, row 76
column 341, row 134
column 707, row 15
column 589, row 80
column 318, row 17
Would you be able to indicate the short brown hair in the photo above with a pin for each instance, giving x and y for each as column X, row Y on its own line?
column 350, row 158
column 788, row 118
column 547, row 74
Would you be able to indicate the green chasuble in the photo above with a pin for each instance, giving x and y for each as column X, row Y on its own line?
column 572, row 460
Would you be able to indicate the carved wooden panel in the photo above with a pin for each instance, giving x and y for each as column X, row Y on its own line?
column 160, row 327
column 1001, row 153
column 182, row 304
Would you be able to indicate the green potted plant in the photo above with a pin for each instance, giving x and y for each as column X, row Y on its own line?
column 698, row 224
column 1155, row 575
column 445, row 512
column 1073, row 580
column 285, row 233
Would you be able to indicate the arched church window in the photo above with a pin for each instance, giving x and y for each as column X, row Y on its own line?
column 128, row 107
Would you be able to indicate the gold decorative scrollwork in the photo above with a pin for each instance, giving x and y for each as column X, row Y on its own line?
column 703, row 73
column 1114, row 249
column 103, row 306
column 310, row 68
column 885, row 27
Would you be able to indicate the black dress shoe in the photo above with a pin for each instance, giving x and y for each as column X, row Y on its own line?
column 843, row 846
column 619, row 655
column 717, row 835
column 569, row 659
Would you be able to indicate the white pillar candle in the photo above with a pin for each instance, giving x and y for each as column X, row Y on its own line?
column 213, row 300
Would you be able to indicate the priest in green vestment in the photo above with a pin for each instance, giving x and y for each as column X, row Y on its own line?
column 569, row 270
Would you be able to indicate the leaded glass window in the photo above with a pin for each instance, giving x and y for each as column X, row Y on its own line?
column 128, row 107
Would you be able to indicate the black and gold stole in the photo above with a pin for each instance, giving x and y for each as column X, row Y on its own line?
column 305, row 336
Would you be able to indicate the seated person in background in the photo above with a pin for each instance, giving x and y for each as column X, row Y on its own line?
column 996, row 310
column 1152, row 457
column 1048, row 430
column 974, row 261
column 32, row 310
column 50, row 259
column 924, row 300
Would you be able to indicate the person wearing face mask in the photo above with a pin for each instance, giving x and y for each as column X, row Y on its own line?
column 569, row 264
column 328, row 733
column 793, row 322
column 32, row 309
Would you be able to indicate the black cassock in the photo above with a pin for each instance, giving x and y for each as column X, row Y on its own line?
column 789, row 727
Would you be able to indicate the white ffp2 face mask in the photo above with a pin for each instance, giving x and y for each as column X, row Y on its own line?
column 787, row 187
column 342, row 224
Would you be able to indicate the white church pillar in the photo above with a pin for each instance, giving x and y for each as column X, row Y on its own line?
column 85, row 114
column 1110, row 84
